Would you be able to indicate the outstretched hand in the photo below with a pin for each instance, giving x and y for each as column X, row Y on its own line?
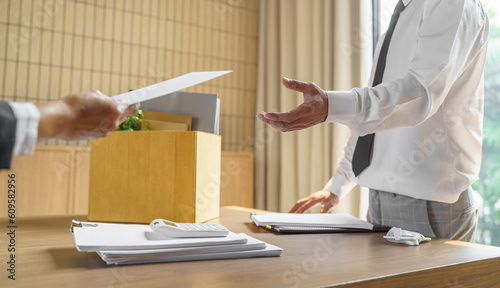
column 86, row 115
column 313, row 111
column 323, row 198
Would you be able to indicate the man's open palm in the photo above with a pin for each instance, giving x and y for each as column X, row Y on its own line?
column 314, row 110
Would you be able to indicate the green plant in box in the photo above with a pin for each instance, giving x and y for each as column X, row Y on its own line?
column 133, row 123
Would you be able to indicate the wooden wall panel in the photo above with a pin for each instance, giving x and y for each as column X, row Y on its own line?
column 81, row 186
column 237, row 187
column 44, row 182
column 55, row 181
column 51, row 48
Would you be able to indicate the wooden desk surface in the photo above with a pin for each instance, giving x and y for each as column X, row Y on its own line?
column 46, row 257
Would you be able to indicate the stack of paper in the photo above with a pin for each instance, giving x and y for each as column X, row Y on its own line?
column 133, row 244
column 313, row 223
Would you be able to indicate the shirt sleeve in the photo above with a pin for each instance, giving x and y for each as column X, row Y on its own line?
column 7, row 134
column 342, row 181
column 444, row 49
column 28, row 117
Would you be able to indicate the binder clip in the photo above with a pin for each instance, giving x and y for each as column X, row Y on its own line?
column 80, row 224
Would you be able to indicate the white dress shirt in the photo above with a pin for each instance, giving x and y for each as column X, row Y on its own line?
column 27, row 118
column 428, row 112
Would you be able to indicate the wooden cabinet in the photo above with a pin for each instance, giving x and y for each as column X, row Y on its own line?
column 55, row 181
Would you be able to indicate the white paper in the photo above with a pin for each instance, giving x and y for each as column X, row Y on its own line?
column 121, row 244
column 127, row 255
column 269, row 251
column 252, row 244
column 167, row 87
column 253, row 248
column 106, row 236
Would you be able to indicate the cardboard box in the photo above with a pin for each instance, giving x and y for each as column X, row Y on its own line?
column 140, row 176
column 155, row 125
column 169, row 117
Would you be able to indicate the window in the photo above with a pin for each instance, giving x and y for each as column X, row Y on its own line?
column 382, row 14
column 488, row 186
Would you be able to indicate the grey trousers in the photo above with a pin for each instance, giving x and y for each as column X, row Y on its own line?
column 456, row 221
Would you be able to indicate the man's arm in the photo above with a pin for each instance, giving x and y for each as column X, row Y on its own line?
column 7, row 134
column 441, row 56
column 87, row 115
column 82, row 116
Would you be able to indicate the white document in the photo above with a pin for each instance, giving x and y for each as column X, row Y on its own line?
column 264, row 250
column 335, row 220
column 253, row 248
column 93, row 237
column 252, row 244
column 269, row 251
column 121, row 244
column 167, row 87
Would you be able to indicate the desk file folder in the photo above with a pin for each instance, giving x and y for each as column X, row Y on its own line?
column 121, row 244
column 314, row 223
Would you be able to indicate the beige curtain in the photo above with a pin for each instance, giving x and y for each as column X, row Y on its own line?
column 311, row 40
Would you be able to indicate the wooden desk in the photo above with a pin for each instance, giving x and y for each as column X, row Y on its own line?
column 46, row 257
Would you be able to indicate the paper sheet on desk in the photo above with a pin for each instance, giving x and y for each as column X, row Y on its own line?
column 167, row 87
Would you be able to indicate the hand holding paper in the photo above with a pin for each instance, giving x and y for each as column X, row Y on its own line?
column 82, row 116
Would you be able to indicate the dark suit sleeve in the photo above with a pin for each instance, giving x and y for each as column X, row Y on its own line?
column 7, row 134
